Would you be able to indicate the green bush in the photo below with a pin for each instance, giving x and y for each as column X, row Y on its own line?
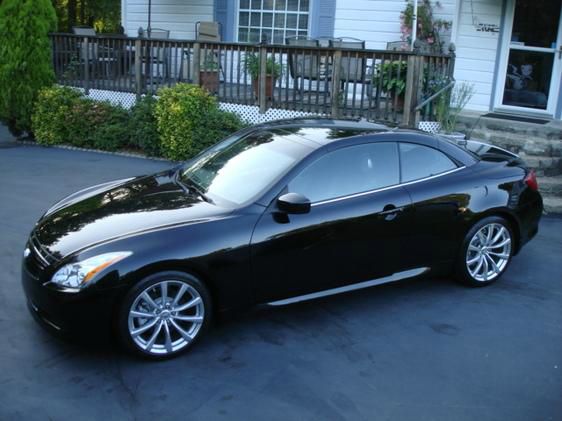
column 65, row 116
column 25, row 58
column 184, row 121
column 52, row 109
column 189, row 120
column 142, row 126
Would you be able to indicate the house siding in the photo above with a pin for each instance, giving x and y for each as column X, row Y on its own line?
column 477, row 52
column 177, row 16
column 378, row 21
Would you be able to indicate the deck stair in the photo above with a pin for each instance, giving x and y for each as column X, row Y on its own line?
column 540, row 145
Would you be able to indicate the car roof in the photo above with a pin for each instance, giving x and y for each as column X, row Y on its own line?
column 321, row 131
column 318, row 132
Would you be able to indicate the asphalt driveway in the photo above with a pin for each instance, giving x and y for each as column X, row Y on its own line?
column 421, row 349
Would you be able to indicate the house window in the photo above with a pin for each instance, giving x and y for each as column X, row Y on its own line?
column 273, row 19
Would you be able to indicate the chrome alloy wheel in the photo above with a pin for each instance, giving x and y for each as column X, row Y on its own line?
column 488, row 252
column 166, row 317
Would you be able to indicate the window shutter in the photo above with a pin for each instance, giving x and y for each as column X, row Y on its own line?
column 323, row 18
column 224, row 14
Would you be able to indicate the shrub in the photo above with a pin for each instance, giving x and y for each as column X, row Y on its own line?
column 189, row 120
column 52, row 109
column 25, row 58
column 65, row 116
column 143, row 133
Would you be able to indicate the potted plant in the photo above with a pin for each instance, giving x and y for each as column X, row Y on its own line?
column 272, row 72
column 209, row 73
column 450, row 105
column 391, row 78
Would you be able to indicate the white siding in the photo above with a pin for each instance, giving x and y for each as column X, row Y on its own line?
column 177, row 16
column 477, row 51
column 378, row 21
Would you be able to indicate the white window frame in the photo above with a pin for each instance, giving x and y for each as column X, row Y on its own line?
column 298, row 13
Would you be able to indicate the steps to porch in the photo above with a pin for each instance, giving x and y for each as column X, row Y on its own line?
column 540, row 145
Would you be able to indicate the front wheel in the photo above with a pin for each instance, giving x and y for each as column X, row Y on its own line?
column 486, row 252
column 164, row 314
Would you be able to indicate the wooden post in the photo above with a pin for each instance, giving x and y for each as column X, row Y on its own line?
column 138, row 70
column 420, row 60
column 336, row 71
column 414, row 83
column 86, row 49
column 262, row 97
column 196, row 63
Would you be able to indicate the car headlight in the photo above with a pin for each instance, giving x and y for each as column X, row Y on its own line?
column 78, row 274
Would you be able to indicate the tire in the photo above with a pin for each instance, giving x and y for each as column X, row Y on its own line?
column 164, row 315
column 485, row 254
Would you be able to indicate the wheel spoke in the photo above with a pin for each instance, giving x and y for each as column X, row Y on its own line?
column 498, row 235
column 500, row 255
column 193, row 319
column 495, row 267
column 190, row 304
column 486, row 268
column 489, row 234
column 150, row 343
column 180, row 293
column 148, row 299
column 473, row 248
column 164, row 291
column 502, row 244
column 168, row 338
column 142, row 314
column 473, row 260
column 481, row 237
column 144, row 328
column 182, row 332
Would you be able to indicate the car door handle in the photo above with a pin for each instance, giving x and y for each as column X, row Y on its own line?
column 390, row 212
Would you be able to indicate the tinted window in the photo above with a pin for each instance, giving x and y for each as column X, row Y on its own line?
column 349, row 170
column 421, row 161
column 236, row 171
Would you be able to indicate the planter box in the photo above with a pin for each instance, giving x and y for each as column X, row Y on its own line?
column 269, row 84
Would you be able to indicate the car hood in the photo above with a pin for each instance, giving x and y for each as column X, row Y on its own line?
column 117, row 209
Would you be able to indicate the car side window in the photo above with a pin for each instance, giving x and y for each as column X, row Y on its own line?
column 418, row 161
column 349, row 170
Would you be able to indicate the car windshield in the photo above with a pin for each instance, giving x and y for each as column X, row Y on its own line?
column 238, row 170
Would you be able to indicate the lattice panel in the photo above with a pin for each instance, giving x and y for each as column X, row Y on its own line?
column 123, row 99
column 249, row 113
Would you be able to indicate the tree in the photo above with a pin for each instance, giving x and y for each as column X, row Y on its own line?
column 103, row 15
column 25, row 58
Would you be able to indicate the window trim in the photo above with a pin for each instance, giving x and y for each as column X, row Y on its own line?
column 311, row 6
column 365, row 193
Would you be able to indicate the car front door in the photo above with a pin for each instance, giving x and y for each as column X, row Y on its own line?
column 358, row 222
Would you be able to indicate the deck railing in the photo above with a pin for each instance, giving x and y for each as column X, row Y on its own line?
column 375, row 84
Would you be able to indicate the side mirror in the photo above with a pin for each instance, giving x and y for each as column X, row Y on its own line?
column 293, row 203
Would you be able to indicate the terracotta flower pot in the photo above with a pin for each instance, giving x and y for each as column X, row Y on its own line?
column 269, row 84
column 209, row 80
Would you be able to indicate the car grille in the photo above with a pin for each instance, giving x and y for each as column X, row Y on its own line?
column 39, row 258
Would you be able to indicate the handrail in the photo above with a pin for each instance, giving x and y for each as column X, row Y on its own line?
column 256, row 45
column 435, row 95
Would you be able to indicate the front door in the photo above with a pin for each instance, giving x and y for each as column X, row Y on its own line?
column 531, row 57
column 359, row 222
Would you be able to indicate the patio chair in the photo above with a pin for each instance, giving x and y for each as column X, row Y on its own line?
column 210, row 31
column 398, row 46
column 352, row 69
column 156, row 55
column 305, row 65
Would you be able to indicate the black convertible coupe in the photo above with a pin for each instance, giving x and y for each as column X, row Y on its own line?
column 277, row 213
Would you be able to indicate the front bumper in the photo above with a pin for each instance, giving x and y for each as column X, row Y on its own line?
column 88, row 312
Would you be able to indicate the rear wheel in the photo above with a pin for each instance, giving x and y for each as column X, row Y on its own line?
column 164, row 314
column 486, row 252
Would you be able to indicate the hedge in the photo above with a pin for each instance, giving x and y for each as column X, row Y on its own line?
column 183, row 121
